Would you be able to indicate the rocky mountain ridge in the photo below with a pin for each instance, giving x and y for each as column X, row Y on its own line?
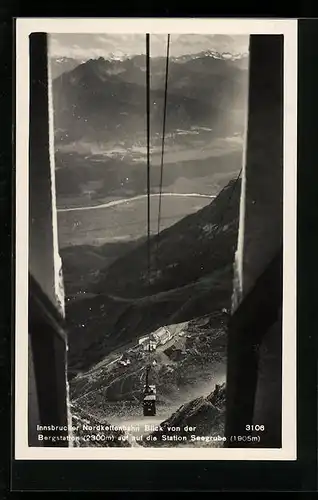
column 105, row 100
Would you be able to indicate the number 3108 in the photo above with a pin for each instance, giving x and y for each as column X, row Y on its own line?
column 255, row 427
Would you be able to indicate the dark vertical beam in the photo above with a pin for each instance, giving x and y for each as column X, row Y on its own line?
column 262, row 240
column 47, row 340
column 263, row 224
column 259, row 312
column 267, row 408
column 33, row 403
column 41, row 249
column 49, row 355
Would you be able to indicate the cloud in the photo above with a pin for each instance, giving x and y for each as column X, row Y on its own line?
column 88, row 46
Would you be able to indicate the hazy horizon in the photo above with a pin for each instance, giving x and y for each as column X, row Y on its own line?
column 93, row 45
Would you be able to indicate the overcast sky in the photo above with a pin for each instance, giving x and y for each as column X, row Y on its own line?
column 89, row 46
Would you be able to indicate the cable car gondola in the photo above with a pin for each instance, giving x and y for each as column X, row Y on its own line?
column 149, row 398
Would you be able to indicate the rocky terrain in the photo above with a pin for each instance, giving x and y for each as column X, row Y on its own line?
column 90, row 431
column 189, row 362
column 203, row 418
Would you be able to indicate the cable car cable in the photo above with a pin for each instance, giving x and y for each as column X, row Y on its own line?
column 162, row 152
column 163, row 137
column 149, row 403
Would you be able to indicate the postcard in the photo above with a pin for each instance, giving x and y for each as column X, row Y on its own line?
column 156, row 239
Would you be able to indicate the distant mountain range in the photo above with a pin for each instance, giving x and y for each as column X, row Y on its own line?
column 104, row 100
column 60, row 65
column 64, row 64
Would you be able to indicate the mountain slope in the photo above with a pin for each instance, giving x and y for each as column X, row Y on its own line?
column 191, row 278
column 191, row 249
column 81, row 263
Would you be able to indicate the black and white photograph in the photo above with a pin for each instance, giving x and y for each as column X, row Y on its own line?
column 155, row 314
